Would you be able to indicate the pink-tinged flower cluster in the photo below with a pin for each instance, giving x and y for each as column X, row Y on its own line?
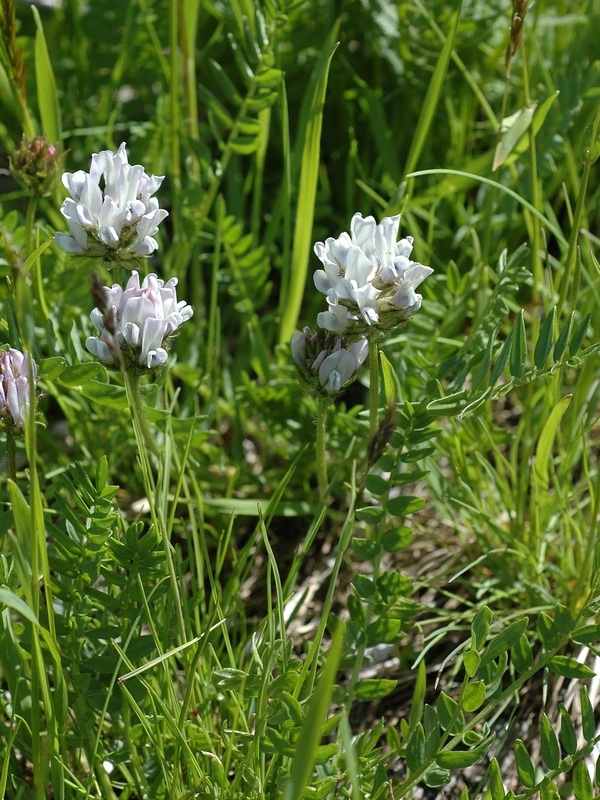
column 111, row 211
column 15, row 378
column 368, row 278
column 327, row 363
column 136, row 322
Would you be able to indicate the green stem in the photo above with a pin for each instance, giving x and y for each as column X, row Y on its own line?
column 373, row 383
column 321, row 445
column 29, row 223
column 11, row 454
column 138, row 412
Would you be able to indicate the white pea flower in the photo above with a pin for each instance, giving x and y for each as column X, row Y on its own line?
column 368, row 277
column 15, row 378
column 136, row 321
column 111, row 211
column 327, row 363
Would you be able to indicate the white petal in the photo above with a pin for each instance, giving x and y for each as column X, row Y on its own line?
column 68, row 243
column 99, row 348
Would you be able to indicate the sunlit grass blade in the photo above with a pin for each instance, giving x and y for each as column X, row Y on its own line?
column 432, row 97
column 46, row 85
column 290, row 305
column 310, row 735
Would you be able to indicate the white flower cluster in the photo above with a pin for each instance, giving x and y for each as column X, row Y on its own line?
column 327, row 363
column 111, row 210
column 136, row 321
column 14, row 386
column 368, row 277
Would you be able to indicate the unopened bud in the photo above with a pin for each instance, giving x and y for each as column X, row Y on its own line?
column 36, row 165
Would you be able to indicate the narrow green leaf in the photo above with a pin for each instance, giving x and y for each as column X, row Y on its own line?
column 290, row 305
column 545, row 341
column 310, row 734
column 582, row 783
column 460, row 759
column 563, row 619
column 570, row 668
column 46, row 85
column 525, row 768
column 521, row 655
column 512, row 130
column 107, row 395
column 568, row 736
column 485, row 362
column 471, row 660
column 8, row 598
column 579, row 335
column 447, row 713
column 449, row 405
column 418, row 696
column 548, row 634
column 432, row 96
column 431, row 726
column 79, row 374
column 546, row 442
column 473, row 696
column 538, row 120
column 50, row 368
column 549, row 744
column 374, row 688
column 390, row 387
column 588, row 723
column 480, row 627
column 504, row 640
column 563, row 338
column 502, row 358
column 518, row 352
column 587, row 634
column 405, row 504
column 496, row 786
column 415, row 749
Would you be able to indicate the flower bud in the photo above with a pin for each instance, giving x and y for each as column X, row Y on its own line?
column 15, row 378
column 327, row 364
column 36, row 165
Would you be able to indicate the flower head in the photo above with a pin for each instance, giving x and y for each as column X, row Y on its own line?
column 327, row 363
column 15, row 376
column 135, row 322
column 368, row 277
column 111, row 210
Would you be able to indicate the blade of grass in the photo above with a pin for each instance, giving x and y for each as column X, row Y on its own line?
column 551, row 227
column 46, row 84
column 290, row 304
column 432, row 97
column 310, row 734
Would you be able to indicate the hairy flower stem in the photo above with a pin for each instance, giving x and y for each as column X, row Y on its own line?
column 373, row 384
column 321, row 445
column 138, row 412
column 11, row 454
